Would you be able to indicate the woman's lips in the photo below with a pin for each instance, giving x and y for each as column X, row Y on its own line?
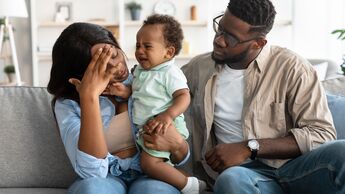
column 124, row 74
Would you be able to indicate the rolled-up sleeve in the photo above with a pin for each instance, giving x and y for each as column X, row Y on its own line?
column 90, row 166
column 185, row 159
column 68, row 118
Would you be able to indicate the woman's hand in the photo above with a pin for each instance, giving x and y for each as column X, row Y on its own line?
column 171, row 142
column 96, row 76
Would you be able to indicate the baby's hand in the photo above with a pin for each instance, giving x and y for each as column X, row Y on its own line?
column 118, row 89
column 159, row 124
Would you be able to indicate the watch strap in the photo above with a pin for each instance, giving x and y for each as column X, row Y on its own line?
column 253, row 155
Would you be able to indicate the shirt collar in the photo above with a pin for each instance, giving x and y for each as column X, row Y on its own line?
column 262, row 59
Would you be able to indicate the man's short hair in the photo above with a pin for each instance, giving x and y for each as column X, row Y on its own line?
column 258, row 13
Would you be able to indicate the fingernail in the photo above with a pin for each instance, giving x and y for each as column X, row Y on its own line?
column 100, row 49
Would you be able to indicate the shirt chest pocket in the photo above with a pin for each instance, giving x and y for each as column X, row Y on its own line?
column 271, row 120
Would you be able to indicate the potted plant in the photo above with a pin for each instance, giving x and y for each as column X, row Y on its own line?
column 9, row 70
column 341, row 36
column 134, row 9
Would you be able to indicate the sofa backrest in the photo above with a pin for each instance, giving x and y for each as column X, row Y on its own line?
column 332, row 67
column 335, row 89
column 31, row 151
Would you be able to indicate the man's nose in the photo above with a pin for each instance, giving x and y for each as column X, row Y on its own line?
column 220, row 40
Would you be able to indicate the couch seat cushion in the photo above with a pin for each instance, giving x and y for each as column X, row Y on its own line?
column 32, row 191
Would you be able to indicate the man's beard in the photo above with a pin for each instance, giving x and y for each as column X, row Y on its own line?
column 235, row 59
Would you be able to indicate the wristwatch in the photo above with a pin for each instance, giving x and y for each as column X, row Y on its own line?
column 254, row 146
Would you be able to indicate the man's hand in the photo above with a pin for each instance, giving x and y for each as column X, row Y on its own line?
column 159, row 124
column 227, row 155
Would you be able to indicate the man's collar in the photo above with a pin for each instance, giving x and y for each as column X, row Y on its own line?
column 261, row 59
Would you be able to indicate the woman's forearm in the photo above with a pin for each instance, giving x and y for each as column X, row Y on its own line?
column 179, row 153
column 91, row 137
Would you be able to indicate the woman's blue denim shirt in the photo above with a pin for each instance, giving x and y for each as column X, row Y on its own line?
column 68, row 118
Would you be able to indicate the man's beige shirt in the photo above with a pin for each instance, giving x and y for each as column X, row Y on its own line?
column 282, row 95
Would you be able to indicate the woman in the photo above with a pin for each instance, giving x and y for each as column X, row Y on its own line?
column 86, row 59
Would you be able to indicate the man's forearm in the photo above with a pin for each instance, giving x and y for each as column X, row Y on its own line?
column 278, row 148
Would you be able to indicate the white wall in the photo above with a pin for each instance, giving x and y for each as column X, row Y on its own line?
column 310, row 33
column 314, row 20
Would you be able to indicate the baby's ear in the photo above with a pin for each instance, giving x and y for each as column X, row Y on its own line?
column 170, row 52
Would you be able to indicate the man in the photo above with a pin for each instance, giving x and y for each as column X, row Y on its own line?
column 259, row 116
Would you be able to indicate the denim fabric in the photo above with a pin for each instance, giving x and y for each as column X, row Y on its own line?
column 319, row 171
column 131, row 182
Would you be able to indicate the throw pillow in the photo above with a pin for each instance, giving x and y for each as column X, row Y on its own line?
column 321, row 70
column 336, row 105
column 335, row 86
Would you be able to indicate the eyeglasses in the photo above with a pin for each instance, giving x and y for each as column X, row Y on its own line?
column 229, row 38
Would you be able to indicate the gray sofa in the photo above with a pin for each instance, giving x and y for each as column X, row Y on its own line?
column 32, row 156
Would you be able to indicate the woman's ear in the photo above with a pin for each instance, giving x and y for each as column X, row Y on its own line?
column 170, row 52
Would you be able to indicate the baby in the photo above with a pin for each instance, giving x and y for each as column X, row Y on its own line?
column 160, row 96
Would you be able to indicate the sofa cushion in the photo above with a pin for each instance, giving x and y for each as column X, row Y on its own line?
column 335, row 86
column 31, row 151
column 336, row 105
column 32, row 191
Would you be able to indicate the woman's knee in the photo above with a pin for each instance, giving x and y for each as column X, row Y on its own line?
column 96, row 185
column 147, row 185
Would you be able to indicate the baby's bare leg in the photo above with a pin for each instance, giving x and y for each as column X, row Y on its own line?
column 158, row 169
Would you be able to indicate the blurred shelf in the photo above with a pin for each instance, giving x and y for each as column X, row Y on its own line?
column 10, row 83
column 183, row 23
column 44, row 56
column 65, row 24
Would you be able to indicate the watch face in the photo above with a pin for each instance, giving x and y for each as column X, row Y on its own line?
column 165, row 7
column 253, row 144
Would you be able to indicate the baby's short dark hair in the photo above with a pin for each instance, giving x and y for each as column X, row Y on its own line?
column 172, row 31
